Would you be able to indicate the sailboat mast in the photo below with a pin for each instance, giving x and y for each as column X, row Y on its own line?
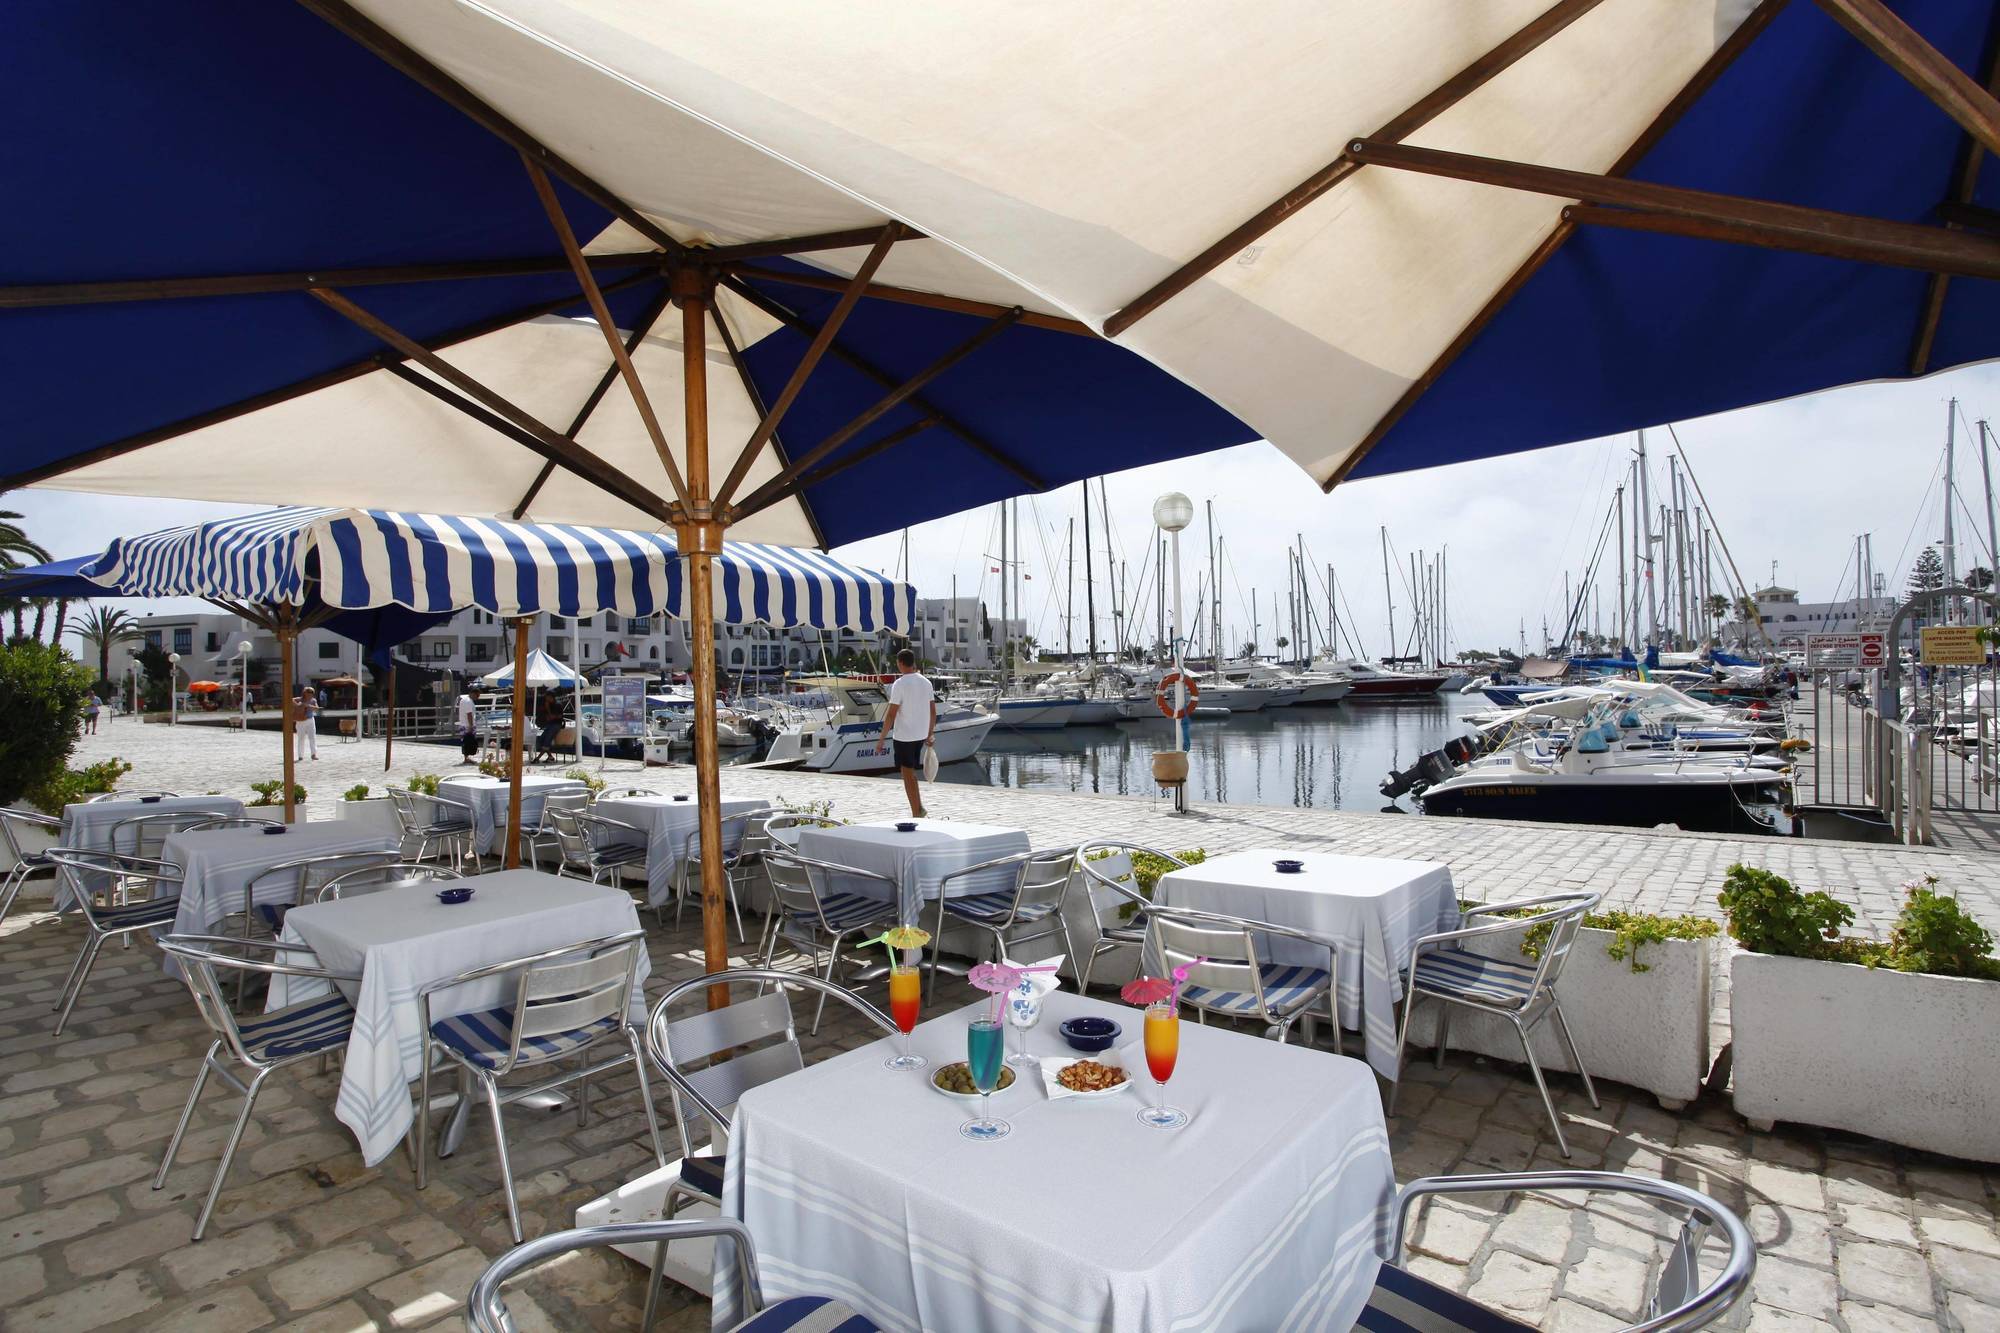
column 1004, row 667
column 1388, row 592
column 1950, row 500
column 1646, row 538
column 1618, row 503
column 1992, row 539
column 1332, row 617
column 1214, row 597
column 1089, row 579
column 1069, row 596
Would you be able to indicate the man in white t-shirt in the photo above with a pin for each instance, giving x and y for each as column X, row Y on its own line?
column 910, row 723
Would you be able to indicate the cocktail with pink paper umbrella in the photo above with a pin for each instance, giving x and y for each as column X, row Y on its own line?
column 1160, row 998
column 985, row 1044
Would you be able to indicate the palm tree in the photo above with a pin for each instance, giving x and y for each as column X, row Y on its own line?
column 102, row 627
column 14, row 545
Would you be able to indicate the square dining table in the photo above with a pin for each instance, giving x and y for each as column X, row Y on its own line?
column 666, row 824
column 488, row 799
column 1372, row 909
column 917, row 858
column 400, row 940
column 87, row 825
column 218, row 864
column 1268, row 1210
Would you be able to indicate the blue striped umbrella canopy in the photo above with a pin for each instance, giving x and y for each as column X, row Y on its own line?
column 357, row 559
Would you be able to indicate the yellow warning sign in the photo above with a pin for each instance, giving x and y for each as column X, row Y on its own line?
column 1952, row 645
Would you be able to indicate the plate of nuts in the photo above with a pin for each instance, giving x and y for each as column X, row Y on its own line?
column 955, row 1080
column 1096, row 1076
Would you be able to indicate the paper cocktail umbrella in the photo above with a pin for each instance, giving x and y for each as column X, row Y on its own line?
column 899, row 937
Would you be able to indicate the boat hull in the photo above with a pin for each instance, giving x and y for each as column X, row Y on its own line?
column 856, row 747
column 1715, row 806
column 1094, row 713
column 1033, row 714
column 1392, row 689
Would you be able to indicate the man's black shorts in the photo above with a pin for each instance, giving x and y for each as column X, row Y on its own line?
column 909, row 754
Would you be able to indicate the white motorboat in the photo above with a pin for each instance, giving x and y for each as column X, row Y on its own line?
column 1033, row 712
column 848, row 738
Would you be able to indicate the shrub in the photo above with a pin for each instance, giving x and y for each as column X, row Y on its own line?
column 358, row 792
column 76, row 784
column 1147, row 867
column 41, row 698
column 587, row 778
column 268, row 792
column 1630, row 930
column 1933, row 934
column 424, row 784
column 1768, row 915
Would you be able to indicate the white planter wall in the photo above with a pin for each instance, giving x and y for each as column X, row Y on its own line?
column 377, row 814
column 1645, row 1029
column 1899, row 1056
column 32, row 840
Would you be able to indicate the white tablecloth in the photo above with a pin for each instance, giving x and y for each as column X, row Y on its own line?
column 488, row 799
column 1372, row 907
column 1268, row 1211
column 916, row 860
column 87, row 825
column 667, row 824
column 216, row 864
column 400, row 940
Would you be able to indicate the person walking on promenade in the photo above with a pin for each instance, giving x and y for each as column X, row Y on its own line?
column 910, row 724
column 307, row 726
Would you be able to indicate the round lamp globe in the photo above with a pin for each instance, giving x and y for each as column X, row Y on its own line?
column 1173, row 512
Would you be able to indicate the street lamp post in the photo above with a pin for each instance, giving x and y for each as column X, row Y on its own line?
column 1173, row 512
column 173, row 688
column 243, row 689
column 135, row 688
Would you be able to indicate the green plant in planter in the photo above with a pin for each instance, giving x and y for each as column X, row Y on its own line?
column 1629, row 931
column 268, row 792
column 1933, row 934
column 587, row 778
column 358, row 792
column 424, row 784
column 820, row 811
column 1767, row 914
column 1147, row 867
column 72, row 785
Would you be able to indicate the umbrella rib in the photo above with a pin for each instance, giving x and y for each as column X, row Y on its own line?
column 756, row 398
column 830, row 282
column 887, row 403
column 405, row 59
column 1748, row 233
column 546, row 192
column 1442, row 98
column 850, row 296
column 643, row 327
column 285, row 393
column 800, row 324
column 828, row 471
column 564, row 452
column 1935, row 75
column 1964, row 180
column 851, row 239
column 1691, row 92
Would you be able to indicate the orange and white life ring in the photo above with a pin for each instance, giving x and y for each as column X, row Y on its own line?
column 1164, row 695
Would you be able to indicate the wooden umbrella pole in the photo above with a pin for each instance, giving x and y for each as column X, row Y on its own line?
column 513, row 856
column 389, row 719
column 287, row 633
column 699, row 534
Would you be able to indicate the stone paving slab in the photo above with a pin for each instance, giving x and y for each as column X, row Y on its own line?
column 1856, row 1235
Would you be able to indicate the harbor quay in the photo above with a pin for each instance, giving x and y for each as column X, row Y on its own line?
column 1854, row 1235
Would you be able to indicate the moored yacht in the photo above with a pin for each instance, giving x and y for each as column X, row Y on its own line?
column 1377, row 683
column 848, row 739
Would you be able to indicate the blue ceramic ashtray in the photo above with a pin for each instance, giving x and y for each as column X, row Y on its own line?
column 681, row 797
column 1090, row 1034
column 453, row 897
column 274, row 828
column 149, row 800
column 907, row 826
column 1288, row 867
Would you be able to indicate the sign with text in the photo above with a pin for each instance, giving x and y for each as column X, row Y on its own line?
column 1951, row 645
column 1835, row 652
column 624, row 707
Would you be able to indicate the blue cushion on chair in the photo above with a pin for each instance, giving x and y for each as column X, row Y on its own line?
column 807, row 1314
column 704, row 1174
column 151, row 912
column 1285, row 988
column 298, row 1029
column 844, row 911
column 483, row 1037
column 1402, row 1303
column 995, row 907
column 1493, row 980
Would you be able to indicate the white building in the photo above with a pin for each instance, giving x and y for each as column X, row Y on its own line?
column 1790, row 622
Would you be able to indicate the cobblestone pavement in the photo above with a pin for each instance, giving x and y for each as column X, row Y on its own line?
column 1855, row 1235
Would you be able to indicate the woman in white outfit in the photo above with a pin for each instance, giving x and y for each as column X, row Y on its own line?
column 306, row 728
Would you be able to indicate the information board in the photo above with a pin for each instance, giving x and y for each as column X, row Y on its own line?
column 1951, row 645
column 624, row 707
column 1836, row 652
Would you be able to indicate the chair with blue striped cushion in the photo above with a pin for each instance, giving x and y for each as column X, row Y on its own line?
column 486, row 1312
column 283, row 885
column 1513, row 986
column 1106, row 885
column 738, row 851
column 1405, row 1303
column 565, row 1002
column 812, row 916
column 255, row 1045
column 1024, row 904
column 117, row 897
column 1226, row 975
column 18, row 829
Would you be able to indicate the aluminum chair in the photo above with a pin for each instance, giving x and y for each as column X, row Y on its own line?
column 115, row 877
column 542, row 833
column 230, row 821
column 711, row 1058
column 687, row 875
column 255, row 1046
column 565, row 1002
column 1034, row 901
column 486, row 1312
column 145, row 836
column 14, row 825
column 625, row 793
column 374, row 879
column 1403, row 1301
column 1108, row 881
column 434, row 822
column 1520, row 990
column 283, row 885
column 597, row 845
column 811, row 917
column 1227, row 977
